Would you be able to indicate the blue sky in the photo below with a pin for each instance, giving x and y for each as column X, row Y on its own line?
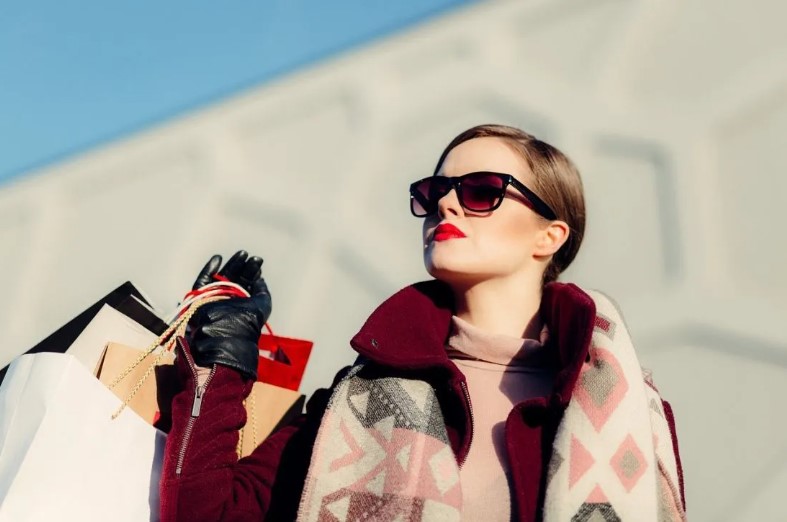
column 74, row 75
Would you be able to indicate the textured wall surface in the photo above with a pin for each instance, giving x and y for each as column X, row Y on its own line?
column 675, row 112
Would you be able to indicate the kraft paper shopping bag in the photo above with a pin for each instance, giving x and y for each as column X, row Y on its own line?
column 149, row 385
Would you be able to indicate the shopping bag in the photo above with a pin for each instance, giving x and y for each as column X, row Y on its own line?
column 147, row 387
column 283, row 360
column 126, row 298
column 268, row 408
column 107, row 326
column 150, row 397
column 63, row 456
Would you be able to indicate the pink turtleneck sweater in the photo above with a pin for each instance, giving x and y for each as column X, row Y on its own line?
column 500, row 371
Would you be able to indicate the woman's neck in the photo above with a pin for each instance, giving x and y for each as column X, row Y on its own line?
column 502, row 306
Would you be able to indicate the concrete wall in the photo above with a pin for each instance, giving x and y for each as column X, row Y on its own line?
column 674, row 111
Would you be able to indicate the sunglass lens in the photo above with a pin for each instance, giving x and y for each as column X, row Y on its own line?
column 482, row 192
column 426, row 193
column 420, row 203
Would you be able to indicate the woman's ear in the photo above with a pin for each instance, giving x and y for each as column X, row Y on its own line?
column 551, row 238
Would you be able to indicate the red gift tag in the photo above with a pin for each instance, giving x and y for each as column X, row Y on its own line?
column 282, row 360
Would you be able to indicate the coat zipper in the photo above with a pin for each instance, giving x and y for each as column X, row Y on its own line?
column 199, row 393
column 472, row 420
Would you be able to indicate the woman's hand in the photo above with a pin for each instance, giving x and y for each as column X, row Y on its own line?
column 226, row 332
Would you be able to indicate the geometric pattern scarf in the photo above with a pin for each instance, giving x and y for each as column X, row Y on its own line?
column 613, row 457
column 382, row 451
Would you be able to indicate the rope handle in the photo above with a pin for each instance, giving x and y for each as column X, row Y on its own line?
column 194, row 301
column 249, row 405
column 167, row 342
column 167, row 339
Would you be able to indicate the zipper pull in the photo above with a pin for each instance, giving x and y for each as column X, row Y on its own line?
column 197, row 401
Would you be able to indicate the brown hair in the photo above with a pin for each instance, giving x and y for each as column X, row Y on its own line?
column 555, row 179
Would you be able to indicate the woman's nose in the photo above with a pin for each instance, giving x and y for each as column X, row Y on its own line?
column 449, row 205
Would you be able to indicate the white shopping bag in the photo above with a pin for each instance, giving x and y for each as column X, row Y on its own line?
column 107, row 326
column 63, row 457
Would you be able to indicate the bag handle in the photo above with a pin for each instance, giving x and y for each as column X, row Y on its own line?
column 249, row 406
column 193, row 301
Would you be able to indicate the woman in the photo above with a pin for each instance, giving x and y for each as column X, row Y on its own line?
column 489, row 393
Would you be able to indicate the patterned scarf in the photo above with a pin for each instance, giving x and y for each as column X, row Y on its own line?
column 382, row 451
column 612, row 456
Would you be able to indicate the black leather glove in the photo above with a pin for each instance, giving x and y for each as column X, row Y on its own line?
column 226, row 332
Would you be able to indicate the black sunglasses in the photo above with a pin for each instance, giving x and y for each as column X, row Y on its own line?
column 477, row 192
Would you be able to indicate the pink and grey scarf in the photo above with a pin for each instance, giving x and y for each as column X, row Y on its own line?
column 382, row 451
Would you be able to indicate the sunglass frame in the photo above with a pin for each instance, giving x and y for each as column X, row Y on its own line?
column 538, row 205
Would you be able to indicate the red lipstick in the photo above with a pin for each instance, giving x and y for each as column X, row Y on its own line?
column 445, row 231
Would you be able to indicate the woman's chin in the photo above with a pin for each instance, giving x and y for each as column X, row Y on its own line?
column 451, row 273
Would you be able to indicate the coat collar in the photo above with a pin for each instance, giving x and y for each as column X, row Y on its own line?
column 409, row 329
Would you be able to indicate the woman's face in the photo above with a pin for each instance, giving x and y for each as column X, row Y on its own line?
column 496, row 244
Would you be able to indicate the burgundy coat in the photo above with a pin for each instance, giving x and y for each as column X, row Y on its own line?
column 202, row 480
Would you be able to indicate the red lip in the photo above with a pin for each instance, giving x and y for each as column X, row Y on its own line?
column 446, row 231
